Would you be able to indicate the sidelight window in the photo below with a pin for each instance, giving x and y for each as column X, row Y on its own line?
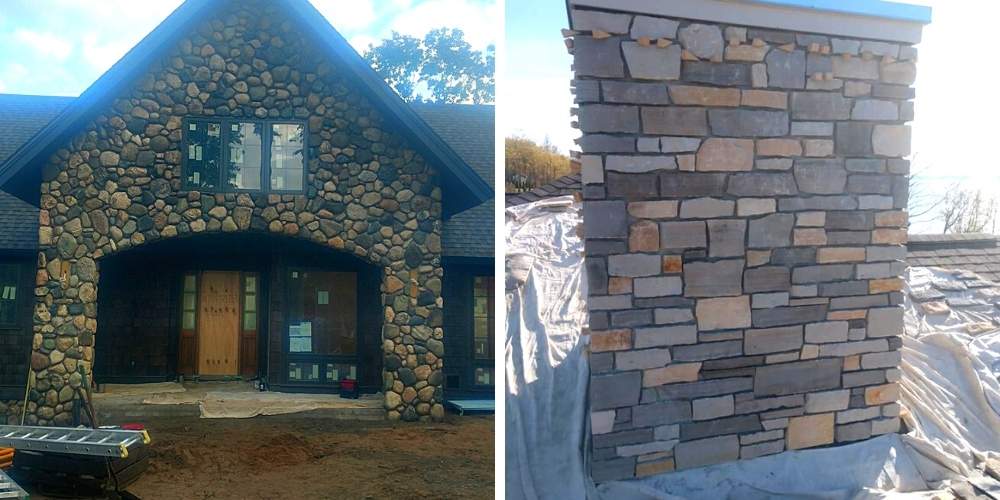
column 8, row 294
column 482, row 329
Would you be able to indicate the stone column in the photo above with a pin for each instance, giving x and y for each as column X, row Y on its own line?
column 745, row 195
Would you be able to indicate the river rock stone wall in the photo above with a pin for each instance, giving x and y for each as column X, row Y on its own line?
column 745, row 213
column 117, row 185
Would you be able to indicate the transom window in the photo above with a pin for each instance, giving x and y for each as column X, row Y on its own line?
column 244, row 155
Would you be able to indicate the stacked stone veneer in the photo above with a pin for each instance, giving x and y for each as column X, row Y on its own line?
column 116, row 185
column 744, row 215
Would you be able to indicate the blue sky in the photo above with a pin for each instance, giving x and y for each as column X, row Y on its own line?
column 954, row 133
column 59, row 47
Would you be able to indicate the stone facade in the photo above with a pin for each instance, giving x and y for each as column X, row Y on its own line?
column 745, row 213
column 117, row 185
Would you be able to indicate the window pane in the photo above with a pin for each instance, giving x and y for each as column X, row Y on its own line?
column 303, row 372
column 322, row 313
column 484, row 376
column 8, row 293
column 245, row 152
column 187, row 320
column 287, row 156
column 189, row 302
column 204, row 154
column 337, row 371
column 250, row 321
column 251, row 284
column 189, row 283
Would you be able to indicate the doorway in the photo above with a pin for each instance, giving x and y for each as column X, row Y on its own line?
column 219, row 324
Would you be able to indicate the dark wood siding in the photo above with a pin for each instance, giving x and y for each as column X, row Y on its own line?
column 15, row 339
column 456, row 291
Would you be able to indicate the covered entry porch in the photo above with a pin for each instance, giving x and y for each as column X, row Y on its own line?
column 288, row 314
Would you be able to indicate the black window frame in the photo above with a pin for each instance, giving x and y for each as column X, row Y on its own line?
column 265, row 169
column 18, row 295
column 477, row 362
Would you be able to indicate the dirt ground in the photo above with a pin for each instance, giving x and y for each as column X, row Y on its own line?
column 285, row 457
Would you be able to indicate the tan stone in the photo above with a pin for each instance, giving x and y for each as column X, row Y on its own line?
column 671, row 374
column 765, row 99
column 889, row 236
column 818, row 147
column 809, row 351
column 661, row 209
column 846, row 315
column 690, row 95
column 717, row 154
column 746, row 53
column 650, row 468
column 895, row 218
column 610, row 340
column 881, row 394
column 935, row 308
column 686, row 163
column 809, row 237
column 852, row 363
column 721, row 313
column 885, row 285
column 758, row 257
column 809, row 431
column 810, row 219
column 755, row 206
column 644, row 236
column 779, row 147
column 618, row 285
column 672, row 264
column 828, row 255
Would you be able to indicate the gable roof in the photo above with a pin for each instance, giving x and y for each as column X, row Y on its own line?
column 565, row 185
column 976, row 252
column 469, row 129
column 462, row 187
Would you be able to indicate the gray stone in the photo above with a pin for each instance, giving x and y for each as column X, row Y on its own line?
column 605, row 118
column 669, row 412
column 708, row 350
column 850, row 220
column 634, row 92
column 823, row 402
column 652, row 63
column 668, row 316
column 705, row 388
column 786, row 69
column 730, row 425
column 874, row 109
column 653, row 28
column 657, row 286
column 820, row 176
column 885, row 322
column 818, row 63
column 798, row 377
column 639, row 164
column 722, row 74
column 820, row 106
column 713, row 279
column 889, row 140
column 855, row 68
column 725, row 237
column 817, row 203
column 853, row 138
column 779, row 316
column 601, row 58
column 843, row 288
column 766, row 279
column 679, row 144
column 870, row 184
column 612, row 470
column 602, row 303
column 642, row 359
column 827, row 331
column 592, row 20
column 893, row 91
column 698, row 453
column 586, row 91
column 852, row 348
column 632, row 317
column 762, row 449
column 773, row 164
column 757, row 405
column 702, row 40
column 812, row 129
column 605, row 219
column 674, row 121
column 863, row 378
column 634, row 265
column 902, row 72
column 762, row 184
column 678, row 235
column 875, row 360
column 771, row 231
column 769, row 300
column 841, row 46
column 771, row 340
column 748, row 122
column 854, row 432
column 614, row 391
column 665, row 336
column 821, row 273
column 691, row 184
column 711, row 408
column 706, row 208
column 603, row 143
column 865, row 165
column 630, row 186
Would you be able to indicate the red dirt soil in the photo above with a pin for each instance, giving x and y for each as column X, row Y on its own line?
column 291, row 457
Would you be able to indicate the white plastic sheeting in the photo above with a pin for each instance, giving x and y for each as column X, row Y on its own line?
column 949, row 391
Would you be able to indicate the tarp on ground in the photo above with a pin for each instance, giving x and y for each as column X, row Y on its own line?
column 949, row 390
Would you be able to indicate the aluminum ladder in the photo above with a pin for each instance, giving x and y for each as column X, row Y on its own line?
column 10, row 489
column 113, row 443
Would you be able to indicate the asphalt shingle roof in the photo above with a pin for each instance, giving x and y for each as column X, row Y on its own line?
column 565, row 185
column 21, row 116
column 469, row 130
column 976, row 252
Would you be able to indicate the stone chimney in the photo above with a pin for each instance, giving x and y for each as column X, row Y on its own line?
column 745, row 195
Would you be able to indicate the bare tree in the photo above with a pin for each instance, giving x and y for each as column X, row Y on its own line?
column 969, row 211
column 922, row 200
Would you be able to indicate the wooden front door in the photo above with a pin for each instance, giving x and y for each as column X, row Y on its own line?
column 219, row 323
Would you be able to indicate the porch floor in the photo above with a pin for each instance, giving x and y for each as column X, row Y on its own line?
column 117, row 403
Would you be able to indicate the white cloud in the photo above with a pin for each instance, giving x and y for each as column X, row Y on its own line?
column 103, row 54
column 480, row 22
column 45, row 44
column 361, row 42
column 347, row 15
column 12, row 75
column 538, row 108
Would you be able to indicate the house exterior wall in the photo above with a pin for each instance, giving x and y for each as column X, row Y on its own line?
column 117, row 185
column 745, row 213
